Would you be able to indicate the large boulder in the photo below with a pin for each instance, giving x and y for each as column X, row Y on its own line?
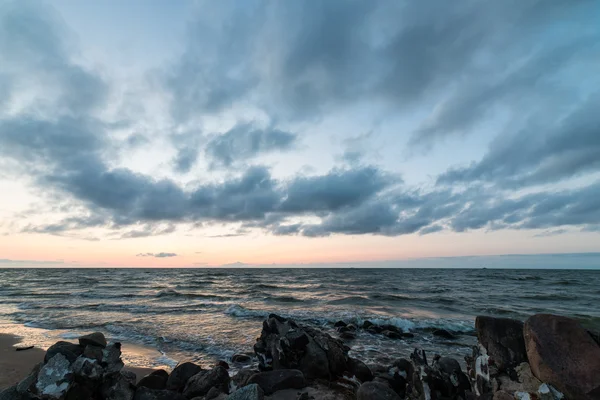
column 202, row 382
column 283, row 344
column 376, row 391
column 360, row 370
column 250, row 392
column 181, row 374
column 55, row 377
column 111, row 358
column 272, row 381
column 145, row 393
column 563, row 354
column 153, row 381
column 503, row 340
column 69, row 350
column 93, row 339
column 117, row 387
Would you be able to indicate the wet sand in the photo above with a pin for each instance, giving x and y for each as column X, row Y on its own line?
column 16, row 365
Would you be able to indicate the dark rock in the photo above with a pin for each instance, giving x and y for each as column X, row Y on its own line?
column 181, row 374
column 111, row 358
column 448, row 365
column 503, row 340
column 93, row 352
column 213, row 393
column 345, row 329
column 55, row 377
column 443, row 333
column 70, row 350
column 144, row 393
column 376, row 391
column 129, row 376
column 339, row 324
column 403, row 367
column 407, row 335
column 28, row 384
column 347, row 335
column 283, row 344
column 160, row 372
column 222, row 363
column 351, row 327
column 79, row 391
column 367, row 324
column 87, row 368
column 374, row 330
column 117, row 387
column 241, row 358
column 595, row 336
column 241, row 378
column 392, row 334
column 250, row 392
column 93, row 339
column 202, row 382
column 157, row 382
column 272, row 381
column 10, row 393
column 563, row 354
column 502, row 395
column 360, row 370
column 23, row 348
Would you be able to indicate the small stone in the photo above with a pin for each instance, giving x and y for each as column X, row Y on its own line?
column 443, row 333
column 94, row 339
column 241, row 358
column 392, row 334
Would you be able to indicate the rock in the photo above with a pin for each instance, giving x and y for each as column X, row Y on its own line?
column 525, row 381
column 360, row 370
column 595, row 336
column 10, row 393
column 448, row 365
column 181, row 374
column 241, row 358
column 272, row 381
column 93, row 352
column 160, row 372
column 347, row 335
column 117, row 387
column 129, row 376
column 563, row 354
column 241, row 378
column 158, row 382
column 55, row 377
column 403, row 367
column 70, row 350
column 80, row 391
column 87, row 368
column 93, row 339
column 283, row 344
column 202, row 382
column 250, row 392
column 28, row 384
column 443, row 333
column 222, row 363
column 502, row 395
column 111, row 358
column 503, row 340
column 213, row 393
column 375, row 391
column 392, row 334
column 144, row 393
column 339, row 324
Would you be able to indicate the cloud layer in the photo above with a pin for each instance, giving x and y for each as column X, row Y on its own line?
column 475, row 65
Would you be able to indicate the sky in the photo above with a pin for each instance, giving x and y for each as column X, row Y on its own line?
column 257, row 132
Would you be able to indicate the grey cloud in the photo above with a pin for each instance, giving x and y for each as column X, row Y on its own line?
column 156, row 255
column 540, row 154
column 244, row 141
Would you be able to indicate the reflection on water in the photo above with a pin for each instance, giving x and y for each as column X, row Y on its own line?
column 205, row 314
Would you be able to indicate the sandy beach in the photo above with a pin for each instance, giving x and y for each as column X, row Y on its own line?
column 16, row 365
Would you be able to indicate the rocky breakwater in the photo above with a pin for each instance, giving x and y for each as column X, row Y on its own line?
column 546, row 358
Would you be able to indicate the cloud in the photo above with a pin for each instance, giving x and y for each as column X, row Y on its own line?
column 156, row 255
column 29, row 263
column 533, row 156
column 244, row 141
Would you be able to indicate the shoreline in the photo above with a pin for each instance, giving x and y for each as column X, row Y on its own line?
column 16, row 365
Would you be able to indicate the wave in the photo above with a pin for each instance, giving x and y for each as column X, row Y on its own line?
column 351, row 300
column 390, row 297
column 549, row 297
column 284, row 299
column 175, row 293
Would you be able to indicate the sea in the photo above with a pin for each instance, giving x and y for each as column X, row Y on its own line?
column 205, row 315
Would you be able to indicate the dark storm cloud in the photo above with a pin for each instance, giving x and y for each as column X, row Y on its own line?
column 244, row 141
